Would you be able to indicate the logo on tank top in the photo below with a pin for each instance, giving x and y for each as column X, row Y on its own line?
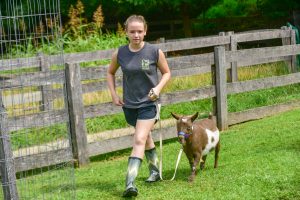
column 145, row 64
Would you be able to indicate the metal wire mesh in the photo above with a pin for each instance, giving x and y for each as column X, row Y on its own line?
column 35, row 152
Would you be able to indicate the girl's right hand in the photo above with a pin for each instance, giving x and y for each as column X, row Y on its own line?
column 153, row 94
column 117, row 101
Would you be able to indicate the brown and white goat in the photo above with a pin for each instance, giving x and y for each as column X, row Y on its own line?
column 198, row 139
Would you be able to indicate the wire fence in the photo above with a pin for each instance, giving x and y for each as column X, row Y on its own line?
column 30, row 29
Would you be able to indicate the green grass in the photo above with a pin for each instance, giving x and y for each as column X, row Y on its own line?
column 56, row 183
column 66, row 44
column 258, row 98
column 258, row 160
column 39, row 135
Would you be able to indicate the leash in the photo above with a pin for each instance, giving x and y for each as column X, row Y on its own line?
column 161, row 148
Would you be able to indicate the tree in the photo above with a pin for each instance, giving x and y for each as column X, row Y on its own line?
column 278, row 7
column 233, row 8
column 186, row 8
column 281, row 8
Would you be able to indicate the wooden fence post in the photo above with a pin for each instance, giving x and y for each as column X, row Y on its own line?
column 221, row 87
column 163, row 40
column 213, row 82
column 46, row 103
column 213, row 77
column 291, row 40
column 76, row 111
column 222, row 34
column 293, row 57
column 7, row 168
column 232, row 72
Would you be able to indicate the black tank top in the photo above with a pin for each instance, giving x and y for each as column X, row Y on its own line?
column 139, row 74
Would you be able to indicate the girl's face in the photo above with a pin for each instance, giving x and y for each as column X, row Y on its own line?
column 136, row 32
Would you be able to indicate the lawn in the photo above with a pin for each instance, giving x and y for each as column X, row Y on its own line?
column 258, row 160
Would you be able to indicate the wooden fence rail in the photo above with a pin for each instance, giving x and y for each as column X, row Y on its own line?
column 180, row 66
column 176, row 97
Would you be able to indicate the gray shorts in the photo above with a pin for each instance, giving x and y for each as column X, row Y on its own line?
column 144, row 113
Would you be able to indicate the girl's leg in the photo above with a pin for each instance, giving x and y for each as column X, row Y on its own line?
column 149, row 142
column 134, row 164
column 142, row 130
column 152, row 160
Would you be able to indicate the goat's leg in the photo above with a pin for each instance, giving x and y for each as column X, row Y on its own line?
column 217, row 149
column 197, row 158
column 191, row 160
column 202, row 162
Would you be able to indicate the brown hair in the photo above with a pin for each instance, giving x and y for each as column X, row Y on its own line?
column 138, row 18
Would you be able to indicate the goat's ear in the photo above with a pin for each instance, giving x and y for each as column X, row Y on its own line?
column 194, row 116
column 175, row 115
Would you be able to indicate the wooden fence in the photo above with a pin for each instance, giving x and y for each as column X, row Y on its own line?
column 226, row 57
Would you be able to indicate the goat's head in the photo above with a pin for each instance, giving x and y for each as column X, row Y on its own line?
column 184, row 126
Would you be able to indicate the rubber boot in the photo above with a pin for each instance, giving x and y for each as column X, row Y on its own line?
column 152, row 160
column 134, row 164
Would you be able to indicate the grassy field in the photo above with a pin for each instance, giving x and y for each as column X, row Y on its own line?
column 258, row 160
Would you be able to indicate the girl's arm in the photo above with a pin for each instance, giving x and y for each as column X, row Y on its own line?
column 111, row 71
column 165, row 71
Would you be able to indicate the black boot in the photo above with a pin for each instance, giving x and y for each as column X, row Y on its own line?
column 152, row 159
column 134, row 164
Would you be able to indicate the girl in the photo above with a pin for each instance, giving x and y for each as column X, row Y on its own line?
column 139, row 62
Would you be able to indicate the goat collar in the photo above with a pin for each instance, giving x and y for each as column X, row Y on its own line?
column 186, row 135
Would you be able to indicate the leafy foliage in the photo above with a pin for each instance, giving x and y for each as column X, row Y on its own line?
column 194, row 7
column 187, row 9
column 277, row 7
column 231, row 8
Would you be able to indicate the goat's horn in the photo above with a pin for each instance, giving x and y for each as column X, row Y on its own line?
column 175, row 115
column 194, row 116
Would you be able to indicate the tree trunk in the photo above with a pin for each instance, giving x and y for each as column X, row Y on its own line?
column 186, row 20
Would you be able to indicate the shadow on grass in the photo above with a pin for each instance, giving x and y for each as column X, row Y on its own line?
column 125, row 152
column 110, row 188
column 111, row 155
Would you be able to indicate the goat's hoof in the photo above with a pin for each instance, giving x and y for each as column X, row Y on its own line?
column 202, row 167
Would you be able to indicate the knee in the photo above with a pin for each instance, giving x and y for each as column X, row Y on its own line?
column 149, row 139
column 140, row 140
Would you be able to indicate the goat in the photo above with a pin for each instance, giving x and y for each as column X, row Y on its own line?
column 198, row 138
